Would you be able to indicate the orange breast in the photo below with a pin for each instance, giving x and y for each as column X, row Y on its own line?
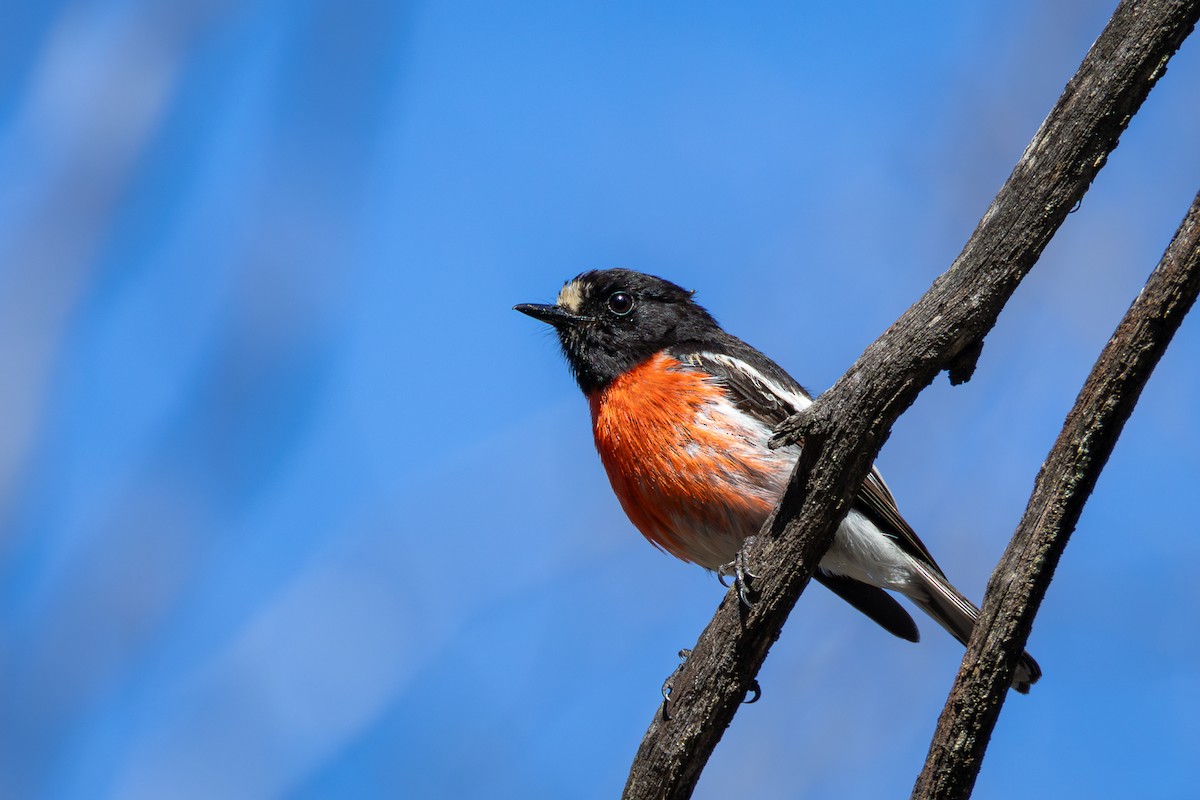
column 692, row 472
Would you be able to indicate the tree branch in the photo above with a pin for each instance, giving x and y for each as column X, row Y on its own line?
column 845, row 428
column 1063, row 485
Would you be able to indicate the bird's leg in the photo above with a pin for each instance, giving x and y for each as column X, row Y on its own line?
column 740, row 571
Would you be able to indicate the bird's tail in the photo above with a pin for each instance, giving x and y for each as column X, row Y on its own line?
column 957, row 614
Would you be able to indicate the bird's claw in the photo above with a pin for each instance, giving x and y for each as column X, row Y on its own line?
column 669, row 684
column 740, row 571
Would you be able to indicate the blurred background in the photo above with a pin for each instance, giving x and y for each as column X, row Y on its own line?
column 292, row 504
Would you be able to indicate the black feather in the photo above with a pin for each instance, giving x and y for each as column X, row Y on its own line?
column 874, row 602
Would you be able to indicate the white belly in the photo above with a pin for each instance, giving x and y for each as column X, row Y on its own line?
column 863, row 552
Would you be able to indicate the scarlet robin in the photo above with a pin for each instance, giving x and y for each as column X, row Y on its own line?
column 681, row 414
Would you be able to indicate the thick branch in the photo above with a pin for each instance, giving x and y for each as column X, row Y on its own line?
column 845, row 428
column 1066, row 479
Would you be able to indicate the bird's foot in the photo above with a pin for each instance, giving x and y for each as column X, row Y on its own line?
column 669, row 685
column 741, row 573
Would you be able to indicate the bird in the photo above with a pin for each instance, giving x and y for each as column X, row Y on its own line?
column 682, row 413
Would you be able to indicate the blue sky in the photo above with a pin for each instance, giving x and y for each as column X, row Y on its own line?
column 293, row 505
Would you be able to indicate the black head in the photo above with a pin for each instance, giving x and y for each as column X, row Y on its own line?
column 612, row 320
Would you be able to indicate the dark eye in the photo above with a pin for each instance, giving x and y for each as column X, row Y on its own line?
column 620, row 303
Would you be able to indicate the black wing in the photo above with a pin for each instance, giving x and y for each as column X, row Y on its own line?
column 760, row 387
column 756, row 384
column 876, row 502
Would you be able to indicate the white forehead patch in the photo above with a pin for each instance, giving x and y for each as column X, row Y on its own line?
column 570, row 298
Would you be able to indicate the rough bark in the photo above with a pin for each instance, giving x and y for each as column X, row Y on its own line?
column 1067, row 477
column 843, row 431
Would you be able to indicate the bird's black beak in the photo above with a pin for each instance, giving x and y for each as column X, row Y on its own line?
column 552, row 315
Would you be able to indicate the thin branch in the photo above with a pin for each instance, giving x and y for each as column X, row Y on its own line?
column 845, row 428
column 1068, row 476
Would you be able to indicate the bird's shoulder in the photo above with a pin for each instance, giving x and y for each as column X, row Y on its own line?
column 763, row 389
column 755, row 384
